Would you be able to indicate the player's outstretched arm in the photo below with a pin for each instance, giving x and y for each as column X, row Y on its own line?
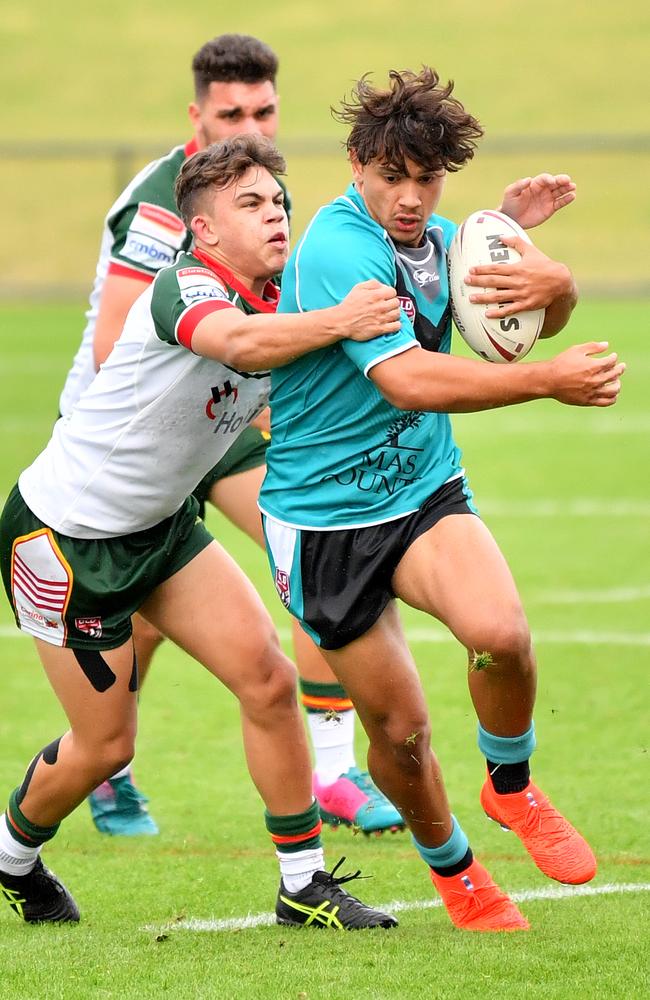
column 423, row 380
column 534, row 282
column 254, row 343
column 530, row 201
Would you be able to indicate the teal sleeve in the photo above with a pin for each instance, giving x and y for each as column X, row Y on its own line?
column 326, row 270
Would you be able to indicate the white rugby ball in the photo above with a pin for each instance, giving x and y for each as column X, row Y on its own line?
column 477, row 242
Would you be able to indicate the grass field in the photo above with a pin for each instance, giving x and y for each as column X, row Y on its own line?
column 96, row 73
column 565, row 492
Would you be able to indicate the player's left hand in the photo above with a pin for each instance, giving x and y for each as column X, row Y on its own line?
column 532, row 200
column 533, row 282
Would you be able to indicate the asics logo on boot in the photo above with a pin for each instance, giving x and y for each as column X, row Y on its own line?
column 317, row 914
column 13, row 898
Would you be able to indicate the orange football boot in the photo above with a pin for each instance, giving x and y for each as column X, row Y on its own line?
column 555, row 846
column 475, row 903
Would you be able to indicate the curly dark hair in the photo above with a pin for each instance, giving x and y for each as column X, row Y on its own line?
column 416, row 118
column 233, row 59
column 221, row 164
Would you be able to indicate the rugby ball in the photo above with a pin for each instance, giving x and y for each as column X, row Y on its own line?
column 478, row 241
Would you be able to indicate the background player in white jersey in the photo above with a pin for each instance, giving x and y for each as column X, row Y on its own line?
column 234, row 82
column 102, row 524
column 381, row 507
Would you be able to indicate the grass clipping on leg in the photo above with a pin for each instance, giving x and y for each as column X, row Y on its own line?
column 480, row 661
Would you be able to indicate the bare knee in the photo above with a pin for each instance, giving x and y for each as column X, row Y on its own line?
column 405, row 737
column 269, row 683
column 505, row 642
column 104, row 757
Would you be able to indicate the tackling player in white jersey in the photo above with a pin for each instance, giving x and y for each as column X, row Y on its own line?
column 234, row 81
column 118, row 534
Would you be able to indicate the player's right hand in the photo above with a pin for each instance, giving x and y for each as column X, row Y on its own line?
column 369, row 310
column 581, row 379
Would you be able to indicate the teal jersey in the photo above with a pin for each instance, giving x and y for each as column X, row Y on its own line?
column 341, row 455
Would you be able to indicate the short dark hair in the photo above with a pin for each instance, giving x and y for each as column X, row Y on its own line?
column 416, row 118
column 220, row 165
column 233, row 59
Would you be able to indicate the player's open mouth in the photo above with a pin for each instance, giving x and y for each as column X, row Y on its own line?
column 408, row 223
column 279, row 239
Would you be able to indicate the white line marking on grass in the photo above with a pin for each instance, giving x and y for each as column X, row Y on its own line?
column 402, row 906
column 578, row 507
column 559, row 638
column 528, row 424
column 617, row 595
column 582, row 637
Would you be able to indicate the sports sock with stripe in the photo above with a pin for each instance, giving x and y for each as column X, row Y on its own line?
column 331, row 719
column 507, row 759
column 20, row 840
column 298, row 845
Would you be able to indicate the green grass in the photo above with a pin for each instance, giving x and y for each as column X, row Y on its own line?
column 575, row 235
column 123, row 70
column 120, row 72
column 582, row 475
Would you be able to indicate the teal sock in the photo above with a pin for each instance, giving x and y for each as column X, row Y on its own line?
column 448, row 854
column 506, row 749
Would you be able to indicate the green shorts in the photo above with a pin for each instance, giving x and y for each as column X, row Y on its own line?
column 81, row 592
column 248, row 452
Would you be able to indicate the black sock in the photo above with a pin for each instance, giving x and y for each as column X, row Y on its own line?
column 456, row 869
column 509, row 778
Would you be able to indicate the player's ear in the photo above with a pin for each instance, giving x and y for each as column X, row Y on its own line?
column 203, row 229
column 357, row 169
column 194, row 115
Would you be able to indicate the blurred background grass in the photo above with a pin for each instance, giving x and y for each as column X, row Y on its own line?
column 561, row 88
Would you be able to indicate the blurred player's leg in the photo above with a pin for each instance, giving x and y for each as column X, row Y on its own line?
column 456, row 572
column 118, row 807
column 240, row 647
column 345, row 793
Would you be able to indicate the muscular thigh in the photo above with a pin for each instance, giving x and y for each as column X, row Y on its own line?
column 236, row 497
column 211, row 610
column 97, row 688
column 379, row 674
column 456, row 572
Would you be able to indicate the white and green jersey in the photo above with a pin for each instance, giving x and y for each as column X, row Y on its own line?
column 341, row 456
column 142, row 234
column 156, row 417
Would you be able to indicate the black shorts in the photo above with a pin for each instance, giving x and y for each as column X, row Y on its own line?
column 337, row 583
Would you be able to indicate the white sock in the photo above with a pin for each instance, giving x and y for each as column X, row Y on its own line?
column 333, row 742
column 15, row 858
column 123, row 773
column 297, row 869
